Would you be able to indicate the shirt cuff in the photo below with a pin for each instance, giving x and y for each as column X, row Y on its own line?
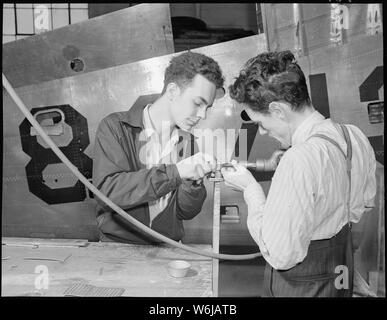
column 197, row 185
column 191, row 187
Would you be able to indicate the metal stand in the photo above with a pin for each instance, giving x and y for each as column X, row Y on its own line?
column 217, row 179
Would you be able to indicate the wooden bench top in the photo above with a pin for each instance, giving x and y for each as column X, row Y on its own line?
column 138, row 269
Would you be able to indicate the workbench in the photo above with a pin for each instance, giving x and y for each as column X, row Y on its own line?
column 139, row 270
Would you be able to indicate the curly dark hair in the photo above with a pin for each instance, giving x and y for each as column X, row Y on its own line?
column 184, row 67
column 268, row 77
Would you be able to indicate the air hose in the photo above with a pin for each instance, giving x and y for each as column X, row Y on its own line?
column 107, row 201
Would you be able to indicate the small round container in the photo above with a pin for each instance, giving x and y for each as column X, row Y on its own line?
column 178, row 268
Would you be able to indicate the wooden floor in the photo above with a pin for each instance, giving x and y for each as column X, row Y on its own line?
column 139, row 270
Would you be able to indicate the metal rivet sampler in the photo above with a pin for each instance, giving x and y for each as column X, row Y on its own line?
column 216, row 177
column 259, row 165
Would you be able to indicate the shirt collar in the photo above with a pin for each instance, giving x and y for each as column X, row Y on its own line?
column 175, row 136
column 149, row 130
column 304, row 130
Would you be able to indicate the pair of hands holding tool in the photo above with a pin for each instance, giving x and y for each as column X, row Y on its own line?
column 196, row 167
column 239, row 178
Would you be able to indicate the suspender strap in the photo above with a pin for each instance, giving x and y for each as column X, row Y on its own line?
column 348, row 158
column 349, row 166
column 349, row 146
column 330, row 140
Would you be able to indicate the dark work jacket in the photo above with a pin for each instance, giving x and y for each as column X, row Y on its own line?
column 119, row 174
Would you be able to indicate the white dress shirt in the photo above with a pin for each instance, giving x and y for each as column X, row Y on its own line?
column 308, row 193
column 156, row 153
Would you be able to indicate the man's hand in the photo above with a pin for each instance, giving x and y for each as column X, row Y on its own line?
column 237, row 177
column 196, row 167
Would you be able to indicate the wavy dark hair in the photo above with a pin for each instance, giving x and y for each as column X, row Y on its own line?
column 268, row 77
column 184, row 67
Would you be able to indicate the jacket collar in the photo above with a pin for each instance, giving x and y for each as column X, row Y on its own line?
column 134, row 116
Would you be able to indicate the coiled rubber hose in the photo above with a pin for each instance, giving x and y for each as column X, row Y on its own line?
column 93, row 189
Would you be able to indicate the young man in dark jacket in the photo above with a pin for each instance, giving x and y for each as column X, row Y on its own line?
column 144, row 158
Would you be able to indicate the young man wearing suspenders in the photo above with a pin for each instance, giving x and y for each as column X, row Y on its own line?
column 324, row 182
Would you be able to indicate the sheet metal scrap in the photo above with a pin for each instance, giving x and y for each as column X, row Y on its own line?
column 86, row 290
column 216, row 178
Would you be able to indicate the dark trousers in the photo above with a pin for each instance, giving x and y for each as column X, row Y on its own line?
column 316, row 276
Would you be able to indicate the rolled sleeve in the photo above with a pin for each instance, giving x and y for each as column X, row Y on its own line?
column 370, row 183
column 255, row 200
column 281, row 225
column 287, row 222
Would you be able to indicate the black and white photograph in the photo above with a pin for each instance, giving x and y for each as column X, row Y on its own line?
column 193, row 150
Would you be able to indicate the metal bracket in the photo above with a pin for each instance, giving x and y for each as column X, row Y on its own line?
column 216, row 178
